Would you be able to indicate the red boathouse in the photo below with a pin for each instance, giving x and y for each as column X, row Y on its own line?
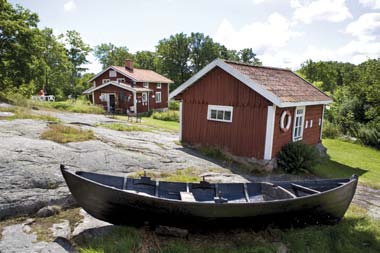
column 249, row 111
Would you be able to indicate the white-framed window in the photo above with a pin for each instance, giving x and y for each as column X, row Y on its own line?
column 220, row 113
column 121, row 80
column 112, row 73
column 299, row 119
column 158, row 97
column 105, row 80
column 146, row 85
column 158, row 86
column 144, row 97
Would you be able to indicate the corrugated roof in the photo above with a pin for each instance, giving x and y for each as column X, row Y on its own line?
column 283, row 83
column 143, row 75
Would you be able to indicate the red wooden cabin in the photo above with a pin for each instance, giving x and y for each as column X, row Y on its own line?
column 249, row 111
column 127, row 89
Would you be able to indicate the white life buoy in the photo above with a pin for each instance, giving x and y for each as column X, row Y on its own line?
column 285, row 114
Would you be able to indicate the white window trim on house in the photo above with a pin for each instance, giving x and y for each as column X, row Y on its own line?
column 158, row 100
column 144, row 97
column 120, row 80
column 158, row 85
column 219, row 108
column 112, row 73
column 105, row 81
column 146, row 85
column 298, row 124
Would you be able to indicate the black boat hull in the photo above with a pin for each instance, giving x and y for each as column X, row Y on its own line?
column 124, row 208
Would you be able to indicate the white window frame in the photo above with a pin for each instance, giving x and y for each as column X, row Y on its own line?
column 158, row 85
column 120, row 80
column 112, row 73
column 144, row 97
column 146, row 85
column 105, row 81
column 300, row 125
column 158, row 101
column 223, row 108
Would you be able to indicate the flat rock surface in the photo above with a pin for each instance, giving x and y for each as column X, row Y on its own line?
column 29, row 169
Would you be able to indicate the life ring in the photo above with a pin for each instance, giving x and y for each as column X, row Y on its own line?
column 289, row 121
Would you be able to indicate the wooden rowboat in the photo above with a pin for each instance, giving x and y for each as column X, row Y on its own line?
column 122, row 200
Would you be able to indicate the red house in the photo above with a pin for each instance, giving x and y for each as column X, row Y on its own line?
column 249, row 111
column 127, row 89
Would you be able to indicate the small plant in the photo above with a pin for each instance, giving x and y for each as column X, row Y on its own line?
column 64, row 134
column 369, row 135
column 296, row 157
column 166, row 116
column 330, row 130
column 174, row 105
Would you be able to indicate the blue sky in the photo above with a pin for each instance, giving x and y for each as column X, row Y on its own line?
column 283, row 33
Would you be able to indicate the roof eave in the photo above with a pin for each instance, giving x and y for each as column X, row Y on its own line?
column 304, row 103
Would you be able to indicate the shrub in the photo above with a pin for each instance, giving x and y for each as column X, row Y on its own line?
column 330, row 130
column 297, row 156
column 166, row 116
column 369, row 135
column 174, row 105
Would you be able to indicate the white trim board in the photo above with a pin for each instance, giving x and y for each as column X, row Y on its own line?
column 244, row 79
column 271, row 115
column 106, row 84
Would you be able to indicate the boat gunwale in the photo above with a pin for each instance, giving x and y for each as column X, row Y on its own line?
column 352, row 179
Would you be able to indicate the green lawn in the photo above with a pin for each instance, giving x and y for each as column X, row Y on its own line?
column 349, row 158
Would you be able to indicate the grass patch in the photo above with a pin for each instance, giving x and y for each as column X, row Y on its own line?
column 25, row 113
column 122, row 239
column 41, row 226
column 355, row 233
column 166, row 116
column 64, row 134
column 78, row 106
column 123, row 127
column 349, row 158
column 156, row 124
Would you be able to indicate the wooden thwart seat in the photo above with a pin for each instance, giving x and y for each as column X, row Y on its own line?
column 304, row 189
column 187, row 196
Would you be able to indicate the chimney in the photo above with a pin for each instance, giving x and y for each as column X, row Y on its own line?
column 129, row 64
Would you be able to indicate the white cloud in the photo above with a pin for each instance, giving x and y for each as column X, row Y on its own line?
column 260, row 1
column 326, row 10
column 366, row 27
column 69, row 6
column 373, row 4
column 261, row 36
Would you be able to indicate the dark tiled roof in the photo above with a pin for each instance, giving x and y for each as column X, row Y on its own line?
column 285, row 84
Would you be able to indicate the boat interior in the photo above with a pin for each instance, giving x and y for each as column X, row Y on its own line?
column 215, row 192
